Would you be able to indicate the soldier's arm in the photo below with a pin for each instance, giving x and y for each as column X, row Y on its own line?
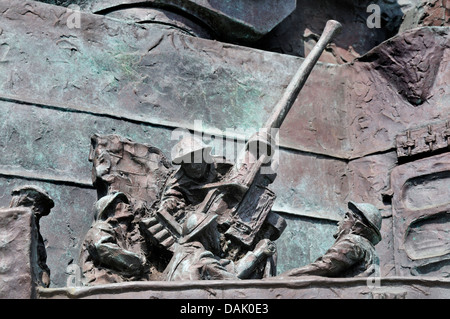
column 119, row 259
column 105, row 251
column 162, row 225
column 340, row 257
column 246, row 266
column 172, row 201
column 210, row 268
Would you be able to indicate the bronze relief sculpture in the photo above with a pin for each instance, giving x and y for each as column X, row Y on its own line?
column 174, row 238
column 176, row 227
column 40, row 203
column 199, row 216
column 371, row 125
column 207, row 219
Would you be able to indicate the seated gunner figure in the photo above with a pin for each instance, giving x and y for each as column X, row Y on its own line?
column 184, row 189
column 197, row 168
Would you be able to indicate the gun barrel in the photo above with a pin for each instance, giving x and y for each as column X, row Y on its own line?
column 285, row 103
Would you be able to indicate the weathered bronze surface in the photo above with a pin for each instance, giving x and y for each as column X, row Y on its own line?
column 90, row 104
column 151, row 216
column 23, row 252
column 299, row 288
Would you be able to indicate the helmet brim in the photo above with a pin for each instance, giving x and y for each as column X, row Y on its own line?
column 202, row 225
column 104, row 202
column 355, row 207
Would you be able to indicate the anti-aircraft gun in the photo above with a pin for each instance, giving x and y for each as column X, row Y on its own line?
column 242, row 199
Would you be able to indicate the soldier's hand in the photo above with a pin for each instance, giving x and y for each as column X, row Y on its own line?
column 266, row 247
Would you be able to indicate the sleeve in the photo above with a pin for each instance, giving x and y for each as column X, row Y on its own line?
column 172, row 199
column 119, row 259
column 101, row 232
column 210, row 268
column 341, row 256
column 103, row 249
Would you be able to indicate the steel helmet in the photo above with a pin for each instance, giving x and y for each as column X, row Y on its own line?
column 371, row 214
column 38, row 194
column 103, row 203
column 195, row 224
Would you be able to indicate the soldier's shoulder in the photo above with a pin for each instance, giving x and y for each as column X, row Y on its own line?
column 358, row 240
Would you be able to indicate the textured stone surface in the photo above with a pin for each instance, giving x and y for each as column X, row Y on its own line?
column 300, row 31
column 427, row 13
column 305, row 288
column 142, row 73
column 18, row 253
column 311, row 185
column 122, row 76
column 420, row 216
column 296, row 241
column 238, row 20
column 296, row 34
column 398, row 84
column 366, row 182
column 43, row 153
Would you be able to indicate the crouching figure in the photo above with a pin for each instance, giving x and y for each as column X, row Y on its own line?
column 353, row 253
